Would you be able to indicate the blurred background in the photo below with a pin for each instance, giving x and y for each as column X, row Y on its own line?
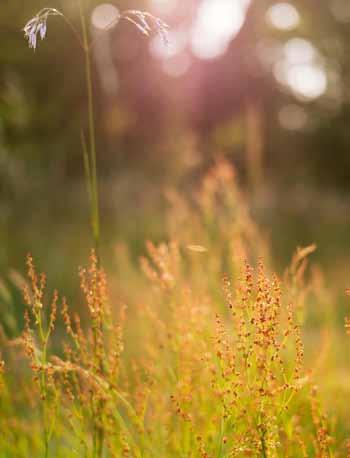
column 263, row 83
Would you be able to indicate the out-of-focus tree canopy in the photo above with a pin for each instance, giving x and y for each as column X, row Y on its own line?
column 141, row 87
column 264, row 82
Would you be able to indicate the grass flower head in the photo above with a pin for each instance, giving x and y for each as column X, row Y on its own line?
column 38, row 25
column 146, row 23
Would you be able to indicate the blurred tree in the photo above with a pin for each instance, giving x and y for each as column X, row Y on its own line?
column 149, row 122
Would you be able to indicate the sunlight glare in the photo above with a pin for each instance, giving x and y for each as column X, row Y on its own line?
column 216, row 24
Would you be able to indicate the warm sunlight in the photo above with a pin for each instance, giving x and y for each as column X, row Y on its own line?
column 217, row 22
column 177, row 172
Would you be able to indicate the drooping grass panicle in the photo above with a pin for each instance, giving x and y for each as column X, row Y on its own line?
column 38, row 25
column 147, row 23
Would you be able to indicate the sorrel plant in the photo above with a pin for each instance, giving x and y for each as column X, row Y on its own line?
column 37, row 26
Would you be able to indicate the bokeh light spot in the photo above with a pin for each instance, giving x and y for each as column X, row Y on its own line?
column 309, row 81
column 299, row 51
column 283, row 16
column 301, row 69
column 104, row 15
column 292, row 117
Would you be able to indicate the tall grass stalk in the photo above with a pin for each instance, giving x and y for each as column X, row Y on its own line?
column 90, row 164
column 90, row 168
column 37, row 26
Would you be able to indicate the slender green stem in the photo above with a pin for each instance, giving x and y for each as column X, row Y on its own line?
column 92, row 176
column 43, row 384
column 74, row 30
column 221, row 438
column 263, row 444
column 87, row 167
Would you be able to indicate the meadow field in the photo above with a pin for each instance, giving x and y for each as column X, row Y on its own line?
column 170, row 286
column 198, row 351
